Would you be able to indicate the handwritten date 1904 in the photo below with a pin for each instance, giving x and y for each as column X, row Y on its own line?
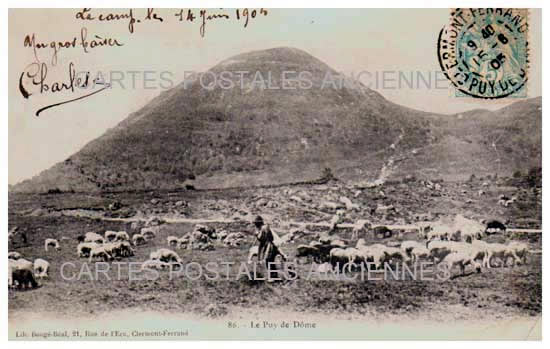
column 206, row 15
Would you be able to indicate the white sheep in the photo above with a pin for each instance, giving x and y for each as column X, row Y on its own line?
column 41, row 268
column 172, row 240
column 22, row 263
column 440, row 249
column 439, row 231
column 51, row 242
column 100, row 252
column 121, row 249
column 110, row 235
column 360, row 226
column 336, row 219
column 419, row 252
column 423, row 229
column 342, row 256
column 392, row 254
column 165, row 255
column 93, row 237
column 122, row 236
column 22, row 271
column 14, row 255
column 370, row 254
column 461, row 259
column 138, row 239
column 502, row 252
column 148, row 232
column 520, row 249
column 84, row 248
column 408, row 246
column 154, row 264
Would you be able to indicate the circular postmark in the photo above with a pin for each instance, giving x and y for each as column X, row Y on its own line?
column 484, row 52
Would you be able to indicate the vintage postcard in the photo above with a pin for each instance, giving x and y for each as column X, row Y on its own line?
column 261, row 173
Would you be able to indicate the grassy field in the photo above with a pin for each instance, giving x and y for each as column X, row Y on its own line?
column 495, row 293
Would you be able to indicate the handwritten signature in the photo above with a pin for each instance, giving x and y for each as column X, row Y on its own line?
column 35, row 75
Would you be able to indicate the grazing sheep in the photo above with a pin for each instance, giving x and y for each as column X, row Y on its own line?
column 211, row 232
column 119, row 249
column 126, row 249
column 439, row 249
column 502, row 252
column 149, row 233
column 476, row 250
column 234, row 239
column 520, row 249
column 100, row 252
column 222, row 234
column 423, row 229
column 335, row 220
column 165, row 255
column 362, row 225
column 113, row 248
column 461, row 259
column 393, row 254
column 382, row 232
column 183, row 242
column 419, row 252
column 439, row 232
column 110, row 235
column 308, row 251
column 84, row 248
column 122, row 236
column 23, row 278
column 371, row 254
column 14, row 255
column 21, row 271
column 51, row 242
column 93, row 237
column 154, row 264
column 467, row 229
column 22, row 264
column 172, row 240
column 138, row 239
column 339, row 257
column 408, row 246
column 41, row 268
column 495, row 226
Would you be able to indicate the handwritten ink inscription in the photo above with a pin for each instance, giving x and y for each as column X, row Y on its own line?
column 34, row 78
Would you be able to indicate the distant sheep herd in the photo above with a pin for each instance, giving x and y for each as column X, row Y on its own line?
column 456, row 243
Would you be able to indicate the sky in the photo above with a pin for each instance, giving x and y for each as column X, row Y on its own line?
column 348, row 40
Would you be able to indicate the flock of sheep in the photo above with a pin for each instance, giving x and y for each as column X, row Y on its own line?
column 118, row 244
column 112, row 245
column 457, row 242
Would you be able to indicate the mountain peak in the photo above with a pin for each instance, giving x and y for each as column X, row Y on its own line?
column 281, row 58
column 253, row 135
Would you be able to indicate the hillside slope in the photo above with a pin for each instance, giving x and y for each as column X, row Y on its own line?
column 258, row 133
